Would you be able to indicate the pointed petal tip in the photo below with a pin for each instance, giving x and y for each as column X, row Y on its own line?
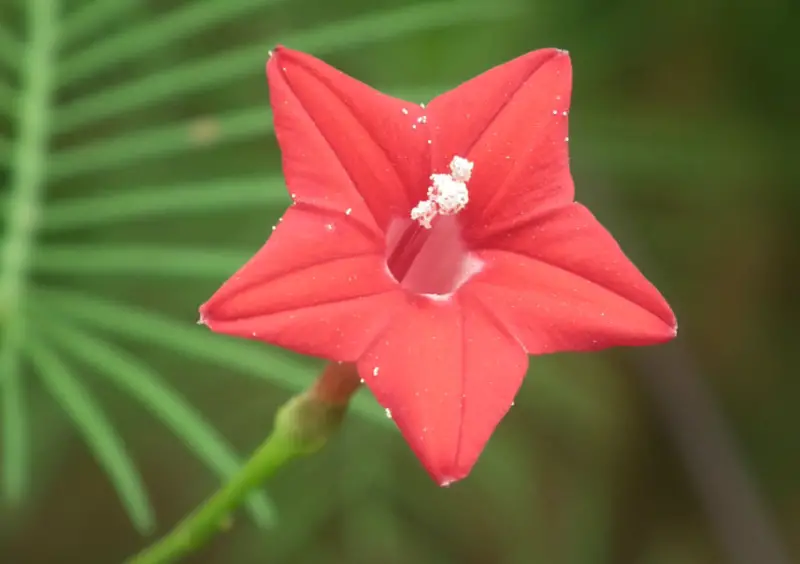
column 447, row 481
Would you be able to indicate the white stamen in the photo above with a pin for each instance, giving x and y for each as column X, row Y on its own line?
column 450, row 195
column 461, row 169
column 447, row 194
column 424, row 212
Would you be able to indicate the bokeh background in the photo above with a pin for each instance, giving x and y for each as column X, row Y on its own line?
column 138, row 170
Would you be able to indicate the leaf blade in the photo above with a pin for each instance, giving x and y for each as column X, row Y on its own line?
column 107, row 447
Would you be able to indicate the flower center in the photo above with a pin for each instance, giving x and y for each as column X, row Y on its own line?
column 427, row 255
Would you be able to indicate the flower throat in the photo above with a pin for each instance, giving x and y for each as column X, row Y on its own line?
column 430, row 256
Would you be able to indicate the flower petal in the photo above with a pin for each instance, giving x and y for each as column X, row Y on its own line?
column 319, row 286
column 563, row 284
column 344, row 144
column 447, row 372
column 511, row 121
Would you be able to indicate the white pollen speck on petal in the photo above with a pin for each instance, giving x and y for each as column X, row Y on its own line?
column 422, row 105
column 564, row 113
column 274, row 227
column 566, row 139
column 375, row 371
column 388, row 413
column 329, row 226
column 405, row 111
column 555, row 112
column 422, row 119
column 348, row 211
column 413, row 126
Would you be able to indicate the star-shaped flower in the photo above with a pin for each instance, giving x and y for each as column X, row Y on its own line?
column 435, row 247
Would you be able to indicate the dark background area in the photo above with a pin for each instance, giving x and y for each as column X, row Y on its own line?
column 160, row 175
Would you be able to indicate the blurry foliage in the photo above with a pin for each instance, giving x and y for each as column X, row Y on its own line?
column 138, row 170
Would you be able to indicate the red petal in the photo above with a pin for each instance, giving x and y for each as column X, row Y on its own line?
column 344, row 144
column 319, row 286
column 511, row 122
column 563, row 284
column 448, row 373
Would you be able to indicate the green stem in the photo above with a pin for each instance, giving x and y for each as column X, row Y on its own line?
column 302, row 426
column 215, row 514
column 28, row 170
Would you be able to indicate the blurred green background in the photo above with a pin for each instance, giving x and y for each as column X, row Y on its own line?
column 138, row 170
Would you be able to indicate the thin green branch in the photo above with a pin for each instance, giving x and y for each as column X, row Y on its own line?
column 27, row 183
column 193, row 341
column 139, row 260
column 222, row 69
column 302, row 426
column 214, row 515
column 171, row 201
column 192, row 135
column 93, row 17
column 164, row 31
column 141, row 383
column 90, row 420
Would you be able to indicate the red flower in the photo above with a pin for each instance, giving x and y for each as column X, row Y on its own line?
column 439, row 321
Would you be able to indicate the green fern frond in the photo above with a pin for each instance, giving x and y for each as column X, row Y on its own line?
column 197, row 17
column 172, row 200
column 162, row 141
column 140, row 382
column 91, row 422
column 27, row 184
column 146, row 260
column 270, row 363
column 15, row 424
column 92, row 17
column 240, row 62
